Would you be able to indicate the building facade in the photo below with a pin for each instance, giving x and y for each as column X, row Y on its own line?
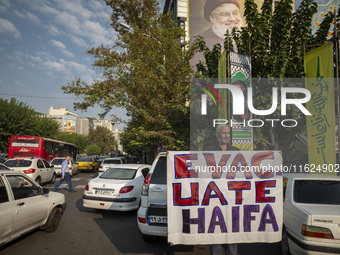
column 102, row 123
column 70, row 122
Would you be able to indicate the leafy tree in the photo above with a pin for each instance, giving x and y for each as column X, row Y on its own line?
column 80, row 140
column 17, row 118
column 103, row 138
column 147, row 71
column 93, row 150
column 46, row 127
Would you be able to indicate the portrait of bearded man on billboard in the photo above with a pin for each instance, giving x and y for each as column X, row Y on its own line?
column 219, row 16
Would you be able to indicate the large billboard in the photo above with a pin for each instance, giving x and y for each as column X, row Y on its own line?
column 69, row 124
column 212, row 18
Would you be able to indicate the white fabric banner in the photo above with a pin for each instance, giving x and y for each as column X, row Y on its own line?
column 224, row 197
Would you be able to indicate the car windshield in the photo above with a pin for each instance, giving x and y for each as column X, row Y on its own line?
column 111, row 161
column 18, row 163
column 57, row 161
column 2, row 167
column 317, row 192
column 119, row 174
column 85, row 160
column 159, row 174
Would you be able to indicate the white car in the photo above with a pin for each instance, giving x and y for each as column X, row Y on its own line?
column 57, row 162
column 311, row 214
column 25, row 206
column 3, row 167
column 36, row 168
column 152, row 214
column 117, row 189
column 109, row 163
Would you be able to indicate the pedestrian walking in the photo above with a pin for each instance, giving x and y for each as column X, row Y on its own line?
column 65, row 175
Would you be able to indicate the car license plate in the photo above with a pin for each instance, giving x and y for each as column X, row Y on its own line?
column 105, row 192
column 157, row 219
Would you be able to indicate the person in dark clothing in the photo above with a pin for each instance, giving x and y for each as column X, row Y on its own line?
column 223, row 144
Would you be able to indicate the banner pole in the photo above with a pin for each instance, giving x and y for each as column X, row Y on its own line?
column 229, row 82
column 337, row 79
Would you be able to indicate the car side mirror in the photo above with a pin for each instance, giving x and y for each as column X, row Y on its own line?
column 52, row 166
column 46, row 191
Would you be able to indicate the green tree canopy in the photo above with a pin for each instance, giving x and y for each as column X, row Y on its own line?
column 147, row 71
column 93, row 150
column 102, row 137
column 17, row 118
column 80, row 140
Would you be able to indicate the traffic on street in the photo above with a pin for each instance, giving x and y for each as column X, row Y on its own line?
column 90, row 231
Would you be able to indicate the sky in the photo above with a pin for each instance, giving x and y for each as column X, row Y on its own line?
column 43, row 45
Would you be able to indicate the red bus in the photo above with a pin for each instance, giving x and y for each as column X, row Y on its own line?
column 34, row 146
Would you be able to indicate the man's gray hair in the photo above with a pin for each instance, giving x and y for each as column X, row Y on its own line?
column 218, row 127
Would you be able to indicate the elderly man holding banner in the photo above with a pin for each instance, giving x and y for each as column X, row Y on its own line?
column 223, row 196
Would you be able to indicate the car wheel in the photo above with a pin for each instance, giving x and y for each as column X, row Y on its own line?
column 149, row 239
column 54, row 177
column 38, row 180
column 53, row 220
column 284, row 242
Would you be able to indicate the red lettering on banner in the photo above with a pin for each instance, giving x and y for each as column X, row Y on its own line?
column 261, row 191
column 181, row 166
column 256, row 160
column 178, row 200
column 210, row 159
column 239, row 159
column 238, row 187
column 218, row 194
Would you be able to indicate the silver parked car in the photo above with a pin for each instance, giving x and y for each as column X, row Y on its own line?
column 25, row 206
column 36, row 168
column 109, row 163
column 311, row 214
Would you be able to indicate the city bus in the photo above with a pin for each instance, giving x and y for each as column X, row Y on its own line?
column 34, row 146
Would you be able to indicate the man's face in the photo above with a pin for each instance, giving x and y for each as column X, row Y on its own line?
column 226, row 17
column 67, row 158
column 223, row 135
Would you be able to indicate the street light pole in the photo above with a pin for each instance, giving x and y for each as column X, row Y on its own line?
column 129, row 28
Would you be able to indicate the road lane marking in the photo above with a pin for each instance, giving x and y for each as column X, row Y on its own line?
column 80, row 187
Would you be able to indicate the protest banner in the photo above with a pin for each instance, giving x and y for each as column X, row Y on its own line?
column 224, row 197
